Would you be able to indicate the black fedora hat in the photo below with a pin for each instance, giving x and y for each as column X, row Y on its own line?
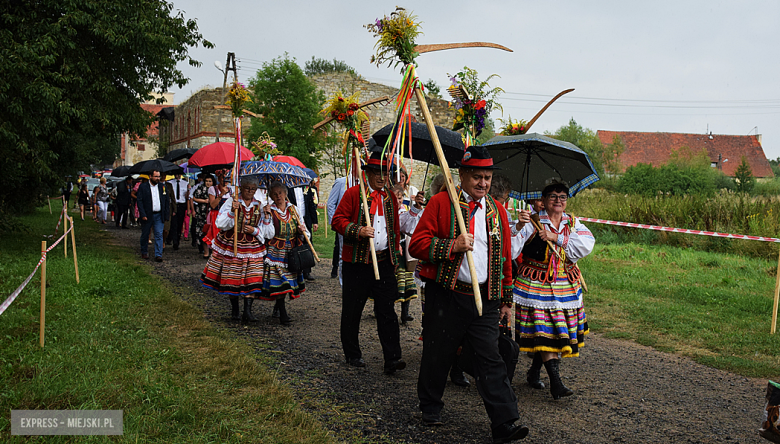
column 477, row 157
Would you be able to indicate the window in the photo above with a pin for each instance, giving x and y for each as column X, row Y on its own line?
column 141, row 147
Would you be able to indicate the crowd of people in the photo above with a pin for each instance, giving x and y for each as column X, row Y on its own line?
column 525, row 268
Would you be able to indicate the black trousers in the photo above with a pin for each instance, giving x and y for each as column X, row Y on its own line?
column 451, row 320
column 121, row 213
column 177, row 223
column 336, row 255
column 359, row 284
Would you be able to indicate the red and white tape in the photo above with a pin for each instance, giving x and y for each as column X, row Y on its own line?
column 10, row 299
column 680, row 230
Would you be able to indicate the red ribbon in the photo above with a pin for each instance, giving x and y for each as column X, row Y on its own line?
column 472, row 211
column 378, row 202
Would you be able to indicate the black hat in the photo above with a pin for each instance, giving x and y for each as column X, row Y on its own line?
column 378, row 162
column 478, row 158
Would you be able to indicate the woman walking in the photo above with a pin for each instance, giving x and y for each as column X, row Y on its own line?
column 279, row 282
column 101, row 199
column 239, row 275
column 218, row 195
column 200, row 199
column 550, row 317
column 83, row 198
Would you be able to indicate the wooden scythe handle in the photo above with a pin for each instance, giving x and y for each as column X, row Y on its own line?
column 442, row 46
column 451, row 190
column 366, row 213
column 547, row 106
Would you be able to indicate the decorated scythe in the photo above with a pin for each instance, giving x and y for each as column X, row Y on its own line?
column 399, row 45
column 358, row 172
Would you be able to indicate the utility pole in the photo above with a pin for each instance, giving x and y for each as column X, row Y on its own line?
column 230, row 65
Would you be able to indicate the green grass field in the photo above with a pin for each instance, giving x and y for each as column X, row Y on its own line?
column 122, row 340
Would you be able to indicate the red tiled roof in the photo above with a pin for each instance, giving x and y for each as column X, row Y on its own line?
column 154, row 109
column 655, row 149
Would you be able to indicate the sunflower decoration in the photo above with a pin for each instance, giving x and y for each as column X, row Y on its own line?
column 237, row 97
column 474, row 101
column 511, row 128
column 346, row 112
column 396, row 38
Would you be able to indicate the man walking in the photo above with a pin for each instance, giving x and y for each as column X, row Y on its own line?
column 180, row 194
column 153, row 208
column 451, row 316
column 123, row 190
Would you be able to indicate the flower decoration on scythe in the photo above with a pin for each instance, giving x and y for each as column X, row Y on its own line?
column 473, row 100
column 237, row 98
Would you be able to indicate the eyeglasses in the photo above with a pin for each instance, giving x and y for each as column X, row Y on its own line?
column 558, row 197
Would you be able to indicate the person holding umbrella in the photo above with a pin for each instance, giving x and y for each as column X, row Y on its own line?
column 451, row 315
column 550, row 317
column 240, row 275
column 153, row 208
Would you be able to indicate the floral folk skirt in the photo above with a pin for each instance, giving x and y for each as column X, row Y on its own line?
column 278, row 281
column 235, row 275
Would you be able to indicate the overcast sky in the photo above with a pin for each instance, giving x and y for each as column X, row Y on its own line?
column 666, row 66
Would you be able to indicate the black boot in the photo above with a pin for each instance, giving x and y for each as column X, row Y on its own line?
column 457, row 377
column 557, row 389
column 533, row 376
column 234, row 315
column 284, row 319
column 405, row 313
column 248, row 317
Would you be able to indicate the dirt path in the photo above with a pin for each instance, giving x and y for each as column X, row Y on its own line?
column 624, row 392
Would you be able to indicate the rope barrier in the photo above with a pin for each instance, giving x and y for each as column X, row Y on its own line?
column 681, row 230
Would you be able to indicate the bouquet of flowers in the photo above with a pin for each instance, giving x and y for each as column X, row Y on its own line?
column 396, row 38
column 475, row 106
column 513, row 128
column 346, row 111
column 264, row 147
column 237, row 97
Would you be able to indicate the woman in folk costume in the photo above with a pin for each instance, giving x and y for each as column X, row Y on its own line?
column 218, row 195
column 279, row 280
column 408, row 216
column 550, row 317
column 239, row 275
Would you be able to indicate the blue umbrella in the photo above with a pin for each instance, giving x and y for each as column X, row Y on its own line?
column 311, row 173
column 269, row 171
column 532, row 160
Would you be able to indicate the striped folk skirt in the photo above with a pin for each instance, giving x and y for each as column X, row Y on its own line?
column 550, row 317
column 235, row 275
column 278, row 281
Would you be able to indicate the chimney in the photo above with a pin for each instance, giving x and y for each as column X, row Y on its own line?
column 758, row 137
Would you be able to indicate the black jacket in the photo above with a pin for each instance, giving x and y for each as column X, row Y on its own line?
column 145, row 201
column 311, row 208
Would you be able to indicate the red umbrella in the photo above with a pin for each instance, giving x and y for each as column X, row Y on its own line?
column 218, row 153
column 289, row 159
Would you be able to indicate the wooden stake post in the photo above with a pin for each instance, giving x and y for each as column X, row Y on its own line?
column 43, row 292
column 451, row 190
column 777, row 298
column 73, row 242
column 49, row 201
column 65, row 233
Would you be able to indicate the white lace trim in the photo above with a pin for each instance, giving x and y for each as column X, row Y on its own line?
column 229, row 252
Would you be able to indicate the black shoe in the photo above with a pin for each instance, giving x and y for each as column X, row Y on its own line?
column 533, row 376
column 144, row 256
column 175, row 247
column 432, row 419
column 275, row 313
column 158, row 259
column 309, row 277
column 458, row 378
column 356, row 362
column 334, row 275
column 394, row 365
column 508, row 432
column 284, row 319
column 248, row 316
column 234, row 312
column 405, row 313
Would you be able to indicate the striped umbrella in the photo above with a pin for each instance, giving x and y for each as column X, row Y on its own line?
column 267, row 171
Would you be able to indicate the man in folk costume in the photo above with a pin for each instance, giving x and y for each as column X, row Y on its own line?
column 451, row 318
column 357, row 270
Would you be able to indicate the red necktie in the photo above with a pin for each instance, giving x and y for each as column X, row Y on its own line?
column 473, row 205
column 377, row 202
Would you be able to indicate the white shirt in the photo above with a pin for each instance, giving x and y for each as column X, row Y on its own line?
column 480, row 252
column 226, row 220
column 380, row 224
column 180, row 190
column 155, row 198
column 299, row 198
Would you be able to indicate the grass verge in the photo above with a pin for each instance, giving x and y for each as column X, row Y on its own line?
column 121, row 340
column 715, row 308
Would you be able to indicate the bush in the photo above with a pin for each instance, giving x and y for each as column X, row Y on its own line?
column 673, row 179
column 768, row 188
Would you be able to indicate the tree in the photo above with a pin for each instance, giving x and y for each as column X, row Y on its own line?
column 584, row 139
column 611, row 155
column 432, row 88
column 775, row 164
column 744, row 177
column 315, row 67
column 73, row 74
column 290, row 106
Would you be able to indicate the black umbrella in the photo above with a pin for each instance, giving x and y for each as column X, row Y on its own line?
column 422, row 147
column 532, row 160
column 182, row 153
column 163, row 166
column 121, row 171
